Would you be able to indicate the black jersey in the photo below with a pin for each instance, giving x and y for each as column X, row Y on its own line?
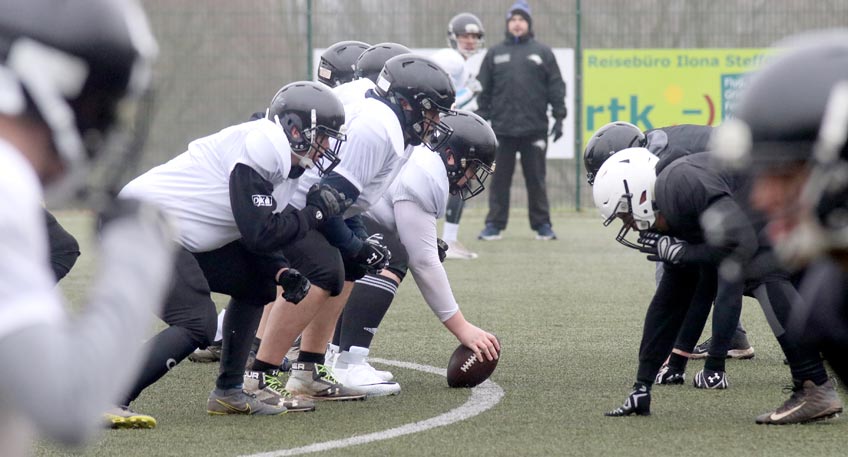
column 672, row 143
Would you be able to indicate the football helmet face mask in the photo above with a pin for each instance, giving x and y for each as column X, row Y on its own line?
column 338, row 62
column 423, row 93
column 469, row 153
column 310, row 115
column 466, row 24
column 793, row 118
column 83, row 70
column 608, row 140
column 371, row 62
column 624, row 188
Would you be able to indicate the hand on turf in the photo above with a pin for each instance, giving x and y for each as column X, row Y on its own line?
column 295, row 285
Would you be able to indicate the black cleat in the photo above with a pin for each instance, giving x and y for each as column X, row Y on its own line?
column 709, row 379
column 668, row 376
column 638, row 402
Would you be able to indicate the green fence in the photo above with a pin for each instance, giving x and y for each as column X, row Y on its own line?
column 221, row 60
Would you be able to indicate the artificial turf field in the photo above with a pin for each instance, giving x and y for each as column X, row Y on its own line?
column 569, row 315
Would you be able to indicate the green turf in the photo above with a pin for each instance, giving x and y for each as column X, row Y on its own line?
column 569, row 315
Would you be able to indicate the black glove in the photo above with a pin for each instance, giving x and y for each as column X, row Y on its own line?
column 556, row 129
column 324, row 202
column 661, row 247
column 295, row 285
column 443, row 249
column 373, row 256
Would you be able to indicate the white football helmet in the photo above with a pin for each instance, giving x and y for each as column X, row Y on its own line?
column 624, row 187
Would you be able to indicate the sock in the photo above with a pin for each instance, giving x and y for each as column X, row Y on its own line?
column 337, row 334
column 804, row 364
column 368, row 303
column 714, row 363
column 311, row 357
column 218, row 332
column 677, row 362
column 450, row 231
column 639, row 385
column 165, row 351
column 264, row 367
column 240, row 324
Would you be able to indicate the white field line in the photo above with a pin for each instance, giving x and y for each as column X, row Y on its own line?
column 483, row 397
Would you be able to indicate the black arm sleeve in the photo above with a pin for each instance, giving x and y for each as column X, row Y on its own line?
column 253, row 204
column 335, row 230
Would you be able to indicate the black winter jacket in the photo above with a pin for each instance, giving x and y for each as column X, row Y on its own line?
column 520, row 78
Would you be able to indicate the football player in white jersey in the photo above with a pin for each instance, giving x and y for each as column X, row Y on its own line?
column 350, row 88
column 406, row 215
column 466, row 38
column 403, row 110
column 62, row 78
column 223, row 193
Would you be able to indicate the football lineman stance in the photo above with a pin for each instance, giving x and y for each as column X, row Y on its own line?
column 63, row 76
column 689, row 217
column 791, row 130
column 406, row 216
column 403, row 110
column 668, row 144
column 223, row 192
column 366, row 69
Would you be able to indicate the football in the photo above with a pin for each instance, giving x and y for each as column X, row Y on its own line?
column 464, row 370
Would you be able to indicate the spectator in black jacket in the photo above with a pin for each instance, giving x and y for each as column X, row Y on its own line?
column 520, row 78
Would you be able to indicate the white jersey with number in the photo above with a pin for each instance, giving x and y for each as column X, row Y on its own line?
column 194, row 187
column 410, row 208
column 371, row 158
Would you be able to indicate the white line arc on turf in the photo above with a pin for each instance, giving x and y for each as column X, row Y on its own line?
column 483, row 397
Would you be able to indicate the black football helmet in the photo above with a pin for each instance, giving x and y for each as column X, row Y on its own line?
column 338, row 62
column 794, row 110
column 608, row 140
column 81, row 68
column 471, row 146
column 304, row 110
column 423, row 86
column 464, row 23
column 370, row 63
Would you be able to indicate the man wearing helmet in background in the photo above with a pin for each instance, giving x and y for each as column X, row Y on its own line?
column 406, row 216
column 53, row 126
column 689, row 216
column 790, row 129
column 668, row 144
column 462, row 62
column 520, row 78
column 404, row 109
column 225, row 193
